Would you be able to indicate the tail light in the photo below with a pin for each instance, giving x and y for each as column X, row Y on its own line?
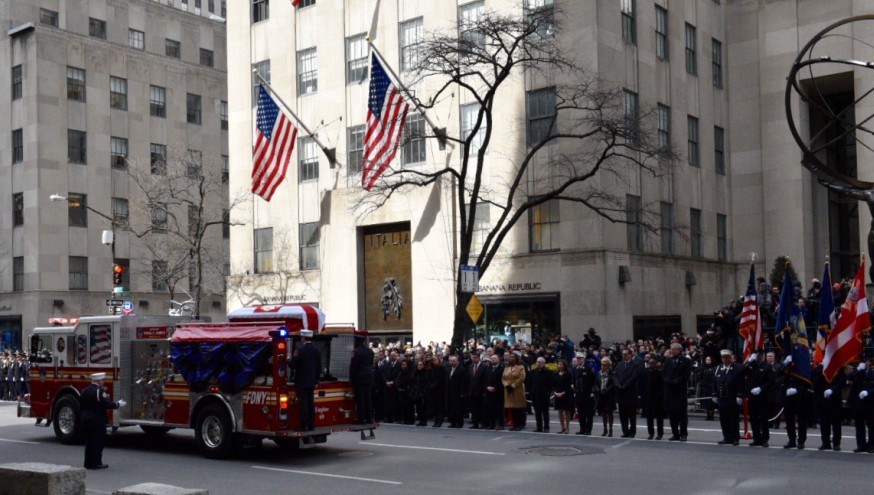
column 283, row 407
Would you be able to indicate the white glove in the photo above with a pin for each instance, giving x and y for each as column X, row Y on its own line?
column 861, row 367
column 863, row 394
column 740, row 401
column 122, row 403
column 591, row 396
column 752, row 357
column 715, row 399
column 791, row 391
column 828, row 393
column 756, row 391
column 787, row 360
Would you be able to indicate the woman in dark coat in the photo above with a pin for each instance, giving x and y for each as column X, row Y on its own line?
column 564, row 396
column 706, row 387
column 419, row 391
column 606, row 396
column 436, row 398
column 405, row 400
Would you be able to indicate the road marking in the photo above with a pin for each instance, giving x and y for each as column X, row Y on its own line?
column 326, row 475
column 18, row 441
column 623, row 444
column 456, row 451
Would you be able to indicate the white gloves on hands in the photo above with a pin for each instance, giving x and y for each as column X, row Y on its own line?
column 752, row 357
column 791, row 391
column 756, row 391
column 863, row 394
column 715, row 399
column 828, row 393
column 122, row 403
column 861, row 367
column 740, row 401
column 787, row 360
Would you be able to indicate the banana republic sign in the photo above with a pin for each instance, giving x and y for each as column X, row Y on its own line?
column 388, row 296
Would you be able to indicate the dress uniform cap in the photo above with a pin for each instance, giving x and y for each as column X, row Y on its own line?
column 725, row 352
column 96, row 377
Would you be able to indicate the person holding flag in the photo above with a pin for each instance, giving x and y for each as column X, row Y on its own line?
column 844, row 343
column 750, row 319
column 826, row 320
column 791, row 339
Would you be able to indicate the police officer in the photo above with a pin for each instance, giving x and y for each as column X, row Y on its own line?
column 94, row 403
column 829, row 407
column 307, row 365
column 758, row 379
column 728, row 398
column 585, row 386
column 361, row 373
column 796, row 405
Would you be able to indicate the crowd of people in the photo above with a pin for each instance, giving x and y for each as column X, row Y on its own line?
column 14, row 375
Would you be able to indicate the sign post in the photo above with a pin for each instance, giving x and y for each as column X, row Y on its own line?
column 469, row 278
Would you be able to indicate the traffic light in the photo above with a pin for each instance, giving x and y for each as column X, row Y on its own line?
column 117, row 273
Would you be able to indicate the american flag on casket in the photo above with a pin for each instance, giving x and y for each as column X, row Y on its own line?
column 296, row 316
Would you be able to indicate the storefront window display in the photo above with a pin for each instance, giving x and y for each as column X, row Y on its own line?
column 519, row 319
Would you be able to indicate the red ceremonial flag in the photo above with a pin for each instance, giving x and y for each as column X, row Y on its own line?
column 386, row 114
column 750, row 321
column 273, row 146
column 844, row 344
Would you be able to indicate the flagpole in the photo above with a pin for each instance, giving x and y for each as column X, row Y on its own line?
column 439, row 132
column 331, row 153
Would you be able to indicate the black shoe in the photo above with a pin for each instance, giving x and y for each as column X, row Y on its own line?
column 674, row 438
column 824, row 447
column 723, row 442
column 545, row 430
column 765, row 445
column 683, row 439
column 735, row 443
column 755, row 444
column 800, row 445
column 860, row 451
column 580, row 433
column 474, row 427
column 837, row 448
column 101, row 466
column 649, row 437
column 659, row 437
column 790, row 445
column 538, row 430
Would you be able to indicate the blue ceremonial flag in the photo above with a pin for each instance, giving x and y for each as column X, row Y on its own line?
column 826, row 316
column 791, row 333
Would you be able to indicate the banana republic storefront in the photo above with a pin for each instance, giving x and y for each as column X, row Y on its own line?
column 518, row 312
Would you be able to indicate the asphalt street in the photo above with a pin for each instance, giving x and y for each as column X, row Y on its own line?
column 403, row 459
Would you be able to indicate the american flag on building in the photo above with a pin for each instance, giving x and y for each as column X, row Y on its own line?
column 273, row 146
column 750, row 319
column 386, row 114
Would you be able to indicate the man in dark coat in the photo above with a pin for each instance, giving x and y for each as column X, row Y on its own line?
column 829, row 407
column 758, row 384
column 94, row 401
column 495, row 395
column 797, row 396
column 541, row 387
column 307, row 365
column 456, row 391
column 653, row 396
column 861, row 401
column 585, row 384
column 728, row 397
column 676, row 374
column 627, row 379
column 361, row 376
column 390, row 371
column 775, row 398
column 476, row 391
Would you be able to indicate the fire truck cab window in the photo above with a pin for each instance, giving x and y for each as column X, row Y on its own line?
column 101, row 344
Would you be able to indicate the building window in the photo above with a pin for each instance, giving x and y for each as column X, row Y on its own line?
column 307, row 72
column 194, row 224
column 76, row 209
column 630, row 109
column 717, row 63
column 263, row 250
column 412, row 35
column 667, row 228
column 693, row 142
column 260, row 10
column 223, row 113
column 541, row 16
column 263, row 69
column 136, row 39
column 226, row 224
column 75, row 84
column 633, row 222
column 356, row 59
column 118, row 93
column 309, row 246
column 721, row 237
column 118, row 152
column 17, row 209
column 482, row 225
column 48, row 17
column 18, row 273
column 158, row 159
column 469, row 16
column 210, row 6
column 78, row 273
column 172, row 48
column 306, row 3
column 308, row 158
column 224, row 13
column 543, row 222
column 120, row 211
column 719, row 149
column 97, row 28
column 664, row 121
column 159, row 275
column 77, row 149
column 355, row 148
column 159, row 217
column 469, row 115
column 157, row 101
column 193, row 163
column 206, row 57
column 414, row 135
column 17, row 146
column 691, row 61
column 695, row 231
column 226, row 169
column 661, row 32
column 193, row 108
column 629, row 27
column 541, row 115
column 17, row 75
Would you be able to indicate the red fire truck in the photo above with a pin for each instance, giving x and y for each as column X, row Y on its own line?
column 230, row 381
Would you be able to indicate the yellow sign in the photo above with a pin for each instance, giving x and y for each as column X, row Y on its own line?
column 474, row 309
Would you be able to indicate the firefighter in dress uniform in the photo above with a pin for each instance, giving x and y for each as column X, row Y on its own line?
column 758, row 380
column 727, row 398
column 307, row 365
column 94, row 402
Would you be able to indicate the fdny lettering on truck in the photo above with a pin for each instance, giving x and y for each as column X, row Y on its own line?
column 256, row 397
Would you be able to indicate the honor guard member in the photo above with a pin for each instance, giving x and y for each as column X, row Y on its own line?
column 796, row 405
column 307, row 365
column 758, row 380
column 94, row 403
column 829, row 407
column 361, row 373
column 861, row 401
column 4, row 368
column 585, row 386
column 728, row 398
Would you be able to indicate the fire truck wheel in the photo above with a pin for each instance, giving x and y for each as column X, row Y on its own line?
column 213, row 432
column 154, row 431
column 67, row 420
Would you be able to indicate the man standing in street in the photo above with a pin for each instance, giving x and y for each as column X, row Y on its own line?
column 495, row 395
column 676, row 374
column 829, row 407
column 585, row 383
column 797, row 401
column 728, row 398
column 476, row 392
column 758, row 382
column 541, row 387
column 307, row 365
column 861, row 401
column 456, row 390
column 94, row 403
column 627, row 378
column 391, row 370
column 361, row 374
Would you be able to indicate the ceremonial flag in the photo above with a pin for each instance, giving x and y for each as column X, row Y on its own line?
column 844, row 343
column 791, row 335
column 750, row 319
column 273, row 146
column 386, row 114
column 826, row 316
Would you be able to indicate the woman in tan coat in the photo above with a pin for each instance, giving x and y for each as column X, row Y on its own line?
column 514, row 391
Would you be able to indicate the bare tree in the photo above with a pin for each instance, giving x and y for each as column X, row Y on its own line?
column 595, row 136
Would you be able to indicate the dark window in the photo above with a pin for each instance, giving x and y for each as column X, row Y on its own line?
column 661, row 31
column 17, row 146
column 721, row 237
column 48, row 17
column 193, row 108
column 308, row 159
column 159, row 275
column 206, row 57
column 356, row 59
column 630, row 107
column 411, row 37
column 77, row 148
column 172, row 48
column 629, row 28
column 17, row 209
column 667, row 228
column 633, row 219
column 541, row 115
column 414, row 150
column 693, row 141
column 541, row 18
column 17, row 75
column 717, row 63
column 543, row 224
column 664, row 122
column 193, row 163
column 355, row 148
column 118, row 93
column 157, row 101
column 223, row 112
column 18, row 273
column 719, row 150
column 118, row 152
column 120, row 211
column 309, row 246
column 695, row 231
column 78, row 273
column 691, row 61
column 469, row 115
column 261, row 68
column 260, row 10
column 263, row 250
column 226, row 169
column 76, row 208
column 158, row 159
column 159, row 218
column 226, row 224
column 136, row 39
column 210, row 6
column 307, row 72
column 469, row 29
column 75, row 84
column 193, row 221
column 97, row 28
column 306, row 3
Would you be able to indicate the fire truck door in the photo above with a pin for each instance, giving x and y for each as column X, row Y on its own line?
column 151, row 370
